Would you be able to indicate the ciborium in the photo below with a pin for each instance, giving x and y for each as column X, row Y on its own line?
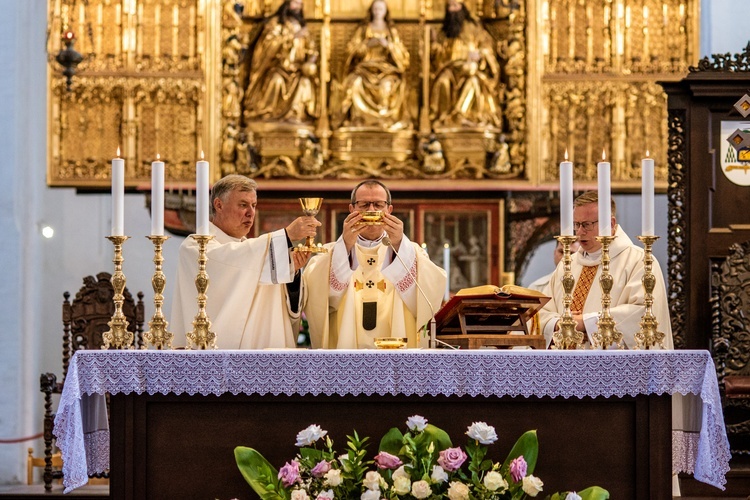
column 310, row 207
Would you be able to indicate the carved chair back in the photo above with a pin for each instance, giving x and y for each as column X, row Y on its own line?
column 730, row 340
column 84, row 323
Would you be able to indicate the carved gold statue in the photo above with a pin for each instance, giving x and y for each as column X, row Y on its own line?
column 283, row 70
column 374, row 88
column 465, row 87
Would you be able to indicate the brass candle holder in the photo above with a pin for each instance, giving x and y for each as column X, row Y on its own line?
column 201, row 336
column 158, row 335
column 606, row 334
column 648, row 335
column 118, row 335
column 567, row 336
column 310, row 207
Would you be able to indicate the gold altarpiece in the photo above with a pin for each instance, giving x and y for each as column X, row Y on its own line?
column 168, row 77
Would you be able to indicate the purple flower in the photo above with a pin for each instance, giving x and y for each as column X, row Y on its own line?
column 320, row 469
column 451, row 459
column 518, row 468
column 289, row 474
column 387, row 461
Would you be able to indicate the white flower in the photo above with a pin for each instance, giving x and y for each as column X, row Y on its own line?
column 438, row 474
column 310, row 435
column 370, row 495
column 401, row 472
column 401, row 484
column 482, row 432
column 371, row 480
column 416, row 423
column 494, row 481
column 325, row 495
column 573, row 496
column 421, row 489
column 343, row 458
column 532, row 485
column 300, row 495
column 458, row 491
column 333, row 477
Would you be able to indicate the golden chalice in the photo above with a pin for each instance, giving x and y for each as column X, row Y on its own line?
column 310, row 207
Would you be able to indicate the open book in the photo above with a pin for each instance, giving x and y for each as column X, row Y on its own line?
column 504, row 291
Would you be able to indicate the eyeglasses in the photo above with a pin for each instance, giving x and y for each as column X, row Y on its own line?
column 364, row 205
column 586, row 226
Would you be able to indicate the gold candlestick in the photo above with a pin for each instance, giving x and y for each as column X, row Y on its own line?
column 158, row 335
column 567, row 337
column 201, row 336
column 310, row 207
column 118, row 335
column 606, row 334
column 648, row 335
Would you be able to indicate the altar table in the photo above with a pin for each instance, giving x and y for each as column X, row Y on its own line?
column 177, row 415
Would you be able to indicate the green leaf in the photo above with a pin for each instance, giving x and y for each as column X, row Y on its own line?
column 528, row 446
column 262, row 477
column 436, row 435
column 594, row 493
column 391, row 441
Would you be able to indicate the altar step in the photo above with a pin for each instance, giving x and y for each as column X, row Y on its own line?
column 36, row 491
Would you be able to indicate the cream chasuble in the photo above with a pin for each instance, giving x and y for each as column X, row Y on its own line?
column 247, row 298
column 626, row 268
column 351, row 299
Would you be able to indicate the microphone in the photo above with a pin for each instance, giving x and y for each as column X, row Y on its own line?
column 386, row 241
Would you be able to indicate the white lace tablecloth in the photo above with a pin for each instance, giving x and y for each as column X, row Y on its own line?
column 85, row 447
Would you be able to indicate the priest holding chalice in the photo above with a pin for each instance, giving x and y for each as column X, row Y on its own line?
column 373, row 283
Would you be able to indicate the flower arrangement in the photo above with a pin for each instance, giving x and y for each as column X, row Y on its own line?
column 421, row 463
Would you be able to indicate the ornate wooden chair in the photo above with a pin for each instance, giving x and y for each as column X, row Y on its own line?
column 730, row 318
column 84, row 321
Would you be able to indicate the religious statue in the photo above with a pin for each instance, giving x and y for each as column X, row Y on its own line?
column 375, row 93
column 283, row 70
column 433, row 160
column 466, row 84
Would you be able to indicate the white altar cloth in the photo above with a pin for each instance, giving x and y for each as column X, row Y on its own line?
column 85, row 447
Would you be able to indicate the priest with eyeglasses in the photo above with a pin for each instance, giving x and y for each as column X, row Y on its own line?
column 626, row 268
column 367, row 286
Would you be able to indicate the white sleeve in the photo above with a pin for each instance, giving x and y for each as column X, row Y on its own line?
column 278, row 267
column 341, row 274
column 403, row 275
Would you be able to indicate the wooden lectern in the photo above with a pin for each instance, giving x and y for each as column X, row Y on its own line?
column 485, row 316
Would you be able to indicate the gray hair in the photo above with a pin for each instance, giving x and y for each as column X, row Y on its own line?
column 370, row 182
column 226, row 185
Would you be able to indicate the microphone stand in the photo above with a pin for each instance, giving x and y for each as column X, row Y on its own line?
column 434, row 341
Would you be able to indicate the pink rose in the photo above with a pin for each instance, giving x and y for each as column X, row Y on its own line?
column 518, row 468
column 320, row 469
column 289, row 474
column 387, row 461
column 451, row 459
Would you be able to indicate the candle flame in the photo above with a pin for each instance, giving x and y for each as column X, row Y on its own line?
column 604, row 155
column 647, row 154
column 118, row 151
column 158, row 157
column 566, row 154
column 446, row 245
column 201, row 154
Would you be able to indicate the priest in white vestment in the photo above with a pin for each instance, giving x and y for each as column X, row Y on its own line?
column 365, row 287
column 626, row 267
column 253, row 297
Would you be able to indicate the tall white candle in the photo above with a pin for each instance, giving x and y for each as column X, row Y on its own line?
column 201, row 193
column 118, row 195
column 447, row 267
column 157, row 197
column 605, row 203
column 566, row 197
column 647, row 196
